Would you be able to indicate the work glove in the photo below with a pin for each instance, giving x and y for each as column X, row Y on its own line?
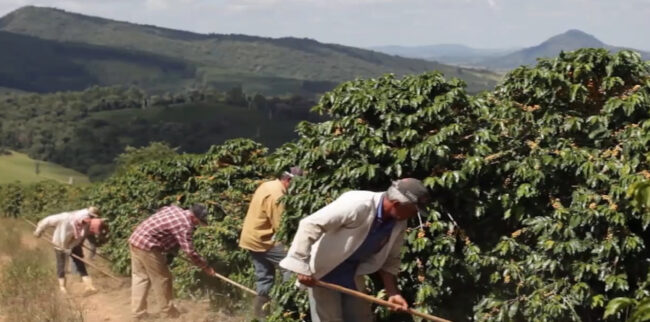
column 37, row 234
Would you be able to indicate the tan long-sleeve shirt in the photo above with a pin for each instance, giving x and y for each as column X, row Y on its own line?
column 263, row 217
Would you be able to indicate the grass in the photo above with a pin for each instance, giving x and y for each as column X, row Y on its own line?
column 29, row 292
column 20, row 167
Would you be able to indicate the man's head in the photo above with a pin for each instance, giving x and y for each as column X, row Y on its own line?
column 93, row 211
column 404, row 198
column 97, row 230
column 287, row 176
column 98, row 234
column 199, row 214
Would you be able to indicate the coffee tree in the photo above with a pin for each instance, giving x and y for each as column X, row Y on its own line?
column 223, row 179
column 579, row 240
column 382, row 129
column 37, row 200
column 530, row 218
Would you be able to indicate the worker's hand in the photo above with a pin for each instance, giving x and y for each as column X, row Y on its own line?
column 37, row 234
column 399, row 301
column 307, row 279
column 209, row 271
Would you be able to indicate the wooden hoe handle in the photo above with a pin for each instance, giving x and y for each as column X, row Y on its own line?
column 81, row 259
column 376, row 300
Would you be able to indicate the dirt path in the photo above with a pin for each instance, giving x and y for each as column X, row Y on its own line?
column 113, row 301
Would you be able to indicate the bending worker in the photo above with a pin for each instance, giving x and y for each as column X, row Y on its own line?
column 70, row 231
column 261, row 223
column 360, row 233
column 168, row 228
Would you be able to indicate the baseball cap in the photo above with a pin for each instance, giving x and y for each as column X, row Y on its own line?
column 93, row 211
column 200, row 212
column 294, row 171
column 414, row 191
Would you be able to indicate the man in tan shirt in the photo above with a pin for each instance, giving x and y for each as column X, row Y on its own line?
column 261, row 223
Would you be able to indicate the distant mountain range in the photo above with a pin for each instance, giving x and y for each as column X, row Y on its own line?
column 568, row 41
column 504, row 59
column 445, row 53
column 53, row 49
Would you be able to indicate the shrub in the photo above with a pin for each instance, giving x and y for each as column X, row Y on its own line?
column 530, row 219
column 223, row 179
column 40, row 199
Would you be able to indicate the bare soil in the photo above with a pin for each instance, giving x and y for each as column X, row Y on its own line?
column 113, row 301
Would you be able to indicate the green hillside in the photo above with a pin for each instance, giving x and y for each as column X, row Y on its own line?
column 219, row 57
column 32, row 64
column 19, row 167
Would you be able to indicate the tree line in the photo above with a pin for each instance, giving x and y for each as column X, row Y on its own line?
column 86, row 130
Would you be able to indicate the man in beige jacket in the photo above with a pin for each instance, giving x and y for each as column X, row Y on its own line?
column 261, row 223
column 360, row 233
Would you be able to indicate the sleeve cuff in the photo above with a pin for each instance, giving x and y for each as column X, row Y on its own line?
column 295, row 265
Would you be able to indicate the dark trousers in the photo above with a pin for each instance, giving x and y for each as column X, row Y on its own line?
column 62, row 257
column 265, row 264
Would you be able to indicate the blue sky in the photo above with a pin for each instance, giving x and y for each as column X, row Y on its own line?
column 363, row 23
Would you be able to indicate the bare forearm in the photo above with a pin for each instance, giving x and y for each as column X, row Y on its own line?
column 390, row 283
column 394, row 296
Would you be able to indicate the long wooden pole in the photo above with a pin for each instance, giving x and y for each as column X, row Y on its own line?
column 185, row 259
column 225, row 279
column 376, row 300
column 234, row 283
column 79, row 258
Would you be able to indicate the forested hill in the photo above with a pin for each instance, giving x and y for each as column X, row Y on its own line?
column 252, row 61
column 35, row 65
column 86, row 130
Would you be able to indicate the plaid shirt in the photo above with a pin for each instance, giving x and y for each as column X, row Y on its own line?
column 165, row 230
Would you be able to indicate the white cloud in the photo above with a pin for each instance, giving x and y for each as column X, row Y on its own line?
column 245, row 5
column 166, row 4
column 7, row 6
column 157, row 4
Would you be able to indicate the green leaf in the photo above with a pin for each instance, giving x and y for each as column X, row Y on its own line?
column 617, row 305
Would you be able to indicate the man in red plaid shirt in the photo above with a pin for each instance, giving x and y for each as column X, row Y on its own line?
column 165, row 230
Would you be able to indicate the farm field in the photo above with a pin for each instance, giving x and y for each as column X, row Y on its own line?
column 20, row 167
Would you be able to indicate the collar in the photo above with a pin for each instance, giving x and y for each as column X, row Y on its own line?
column 380, row 210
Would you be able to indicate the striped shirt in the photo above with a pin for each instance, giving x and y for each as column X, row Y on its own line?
column 165, row 230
